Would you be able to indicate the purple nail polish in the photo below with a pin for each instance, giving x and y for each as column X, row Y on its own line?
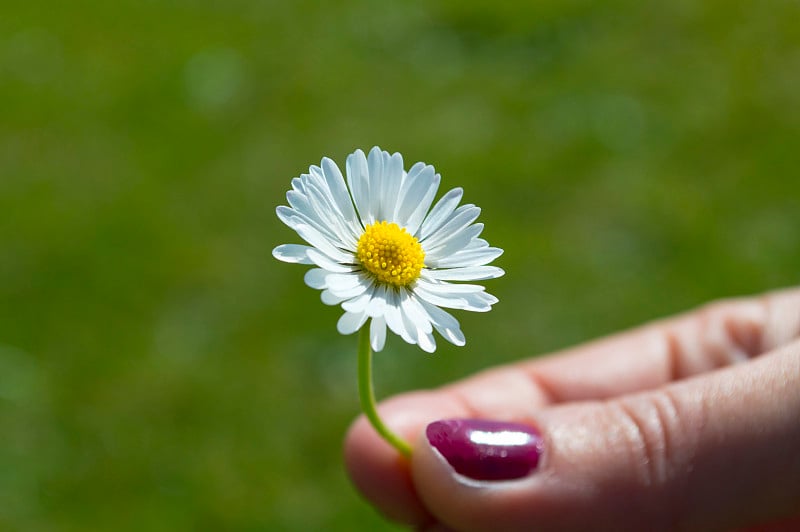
column 487, row 450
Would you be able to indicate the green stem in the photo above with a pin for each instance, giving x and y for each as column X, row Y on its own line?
column 367, row 396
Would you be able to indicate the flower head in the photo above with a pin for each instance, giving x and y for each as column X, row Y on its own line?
column 383, row 253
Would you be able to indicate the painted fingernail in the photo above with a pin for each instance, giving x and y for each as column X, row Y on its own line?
column 487, row 450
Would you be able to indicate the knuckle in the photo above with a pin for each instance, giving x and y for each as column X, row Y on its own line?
column 732, row 329
column 662, row 441
column 655, row 433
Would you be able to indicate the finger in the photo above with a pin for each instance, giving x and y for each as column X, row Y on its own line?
column 645, row 358
column 378, row 471
column 710, row 453
column 716, row 335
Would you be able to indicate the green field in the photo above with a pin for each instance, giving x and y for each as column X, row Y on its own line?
column 159, row 370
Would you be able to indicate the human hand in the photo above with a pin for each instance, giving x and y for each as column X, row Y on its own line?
column 690, row 423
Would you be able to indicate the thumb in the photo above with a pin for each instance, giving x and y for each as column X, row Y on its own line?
column 710, row 453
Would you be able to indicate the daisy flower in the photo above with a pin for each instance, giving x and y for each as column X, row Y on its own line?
column 381, row 251
column 383, row 254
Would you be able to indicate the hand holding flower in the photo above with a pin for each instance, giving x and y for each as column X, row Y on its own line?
column 690, row 423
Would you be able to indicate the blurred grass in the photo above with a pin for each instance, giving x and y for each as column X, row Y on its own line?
column 160, row 371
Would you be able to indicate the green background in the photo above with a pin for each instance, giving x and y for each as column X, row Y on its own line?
column 159, row 370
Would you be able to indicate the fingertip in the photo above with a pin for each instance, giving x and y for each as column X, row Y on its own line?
column 437, row 483
column 382, row 475
column 394, row 484
column 378, row 471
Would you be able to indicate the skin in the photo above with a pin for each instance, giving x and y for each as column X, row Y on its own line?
column 690, row 423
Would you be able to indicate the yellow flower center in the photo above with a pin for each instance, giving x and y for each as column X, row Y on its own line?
column 391, row 254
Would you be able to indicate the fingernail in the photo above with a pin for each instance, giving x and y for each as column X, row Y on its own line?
column 487, row 450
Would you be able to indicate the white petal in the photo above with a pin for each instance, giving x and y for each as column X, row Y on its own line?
column 409, row 326
column 349, row 293
column 464, row 216
column 320, row 202
column 318, row 216
column 477, row 243
column 348, row 285
column 377, row 333
column 294, row 219
column 313, row 237
column 394, row 318
column 350, row 322
column 470, row 273
column 377, row 304
column 328, row 298
column 419, row 185
column 454, row 243
column 300, row 204
column 376, row 162
column 440, row 212
column 294, row 253
column 479, row 227
column 358, row 303
column 339, row 194
column 475, row 302
column 479, row 302
column 426, row 342
column 416, row 217
column 475, row 257
column 444, row 323
column 443, row 287
column 325, row 262
column 358, row 181
column 316, row 278
column 446, row 301
column 393, row 178
column 414, row 311
column 342, row 280
column 417, row 182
